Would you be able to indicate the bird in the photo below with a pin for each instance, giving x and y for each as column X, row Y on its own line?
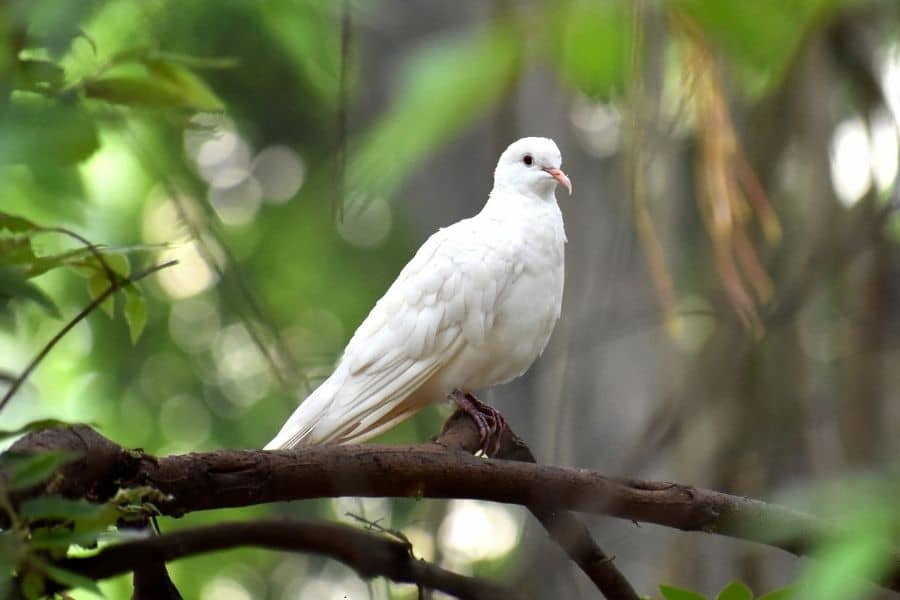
column 473, row 308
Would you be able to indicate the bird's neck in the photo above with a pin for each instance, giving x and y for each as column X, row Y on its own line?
column 508, row 201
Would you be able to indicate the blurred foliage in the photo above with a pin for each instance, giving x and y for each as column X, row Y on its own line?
column 144, row 126
column 49, row 528
column 733, row 591
column 760, row 38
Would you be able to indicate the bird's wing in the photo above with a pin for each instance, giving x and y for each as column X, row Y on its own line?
column 445, row 298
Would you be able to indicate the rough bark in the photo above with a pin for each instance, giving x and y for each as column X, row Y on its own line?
column 368, row 554
column 460, row 433
column 232, row 478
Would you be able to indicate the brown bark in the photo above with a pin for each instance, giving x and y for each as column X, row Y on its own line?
column 368, row 554
column 460, row 433
column 232, row 478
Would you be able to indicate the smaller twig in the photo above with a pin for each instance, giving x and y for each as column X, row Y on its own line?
column 368, row 554
column 376, row 526
column 91, row 247
column 460, row 432
column 341, row 115
column 395, row 533
column 275, row 357
column 115, row 285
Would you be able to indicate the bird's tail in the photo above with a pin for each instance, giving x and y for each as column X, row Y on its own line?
column 321, row 420
column 300, row 428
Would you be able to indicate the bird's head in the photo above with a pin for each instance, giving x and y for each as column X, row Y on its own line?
column 531, row 166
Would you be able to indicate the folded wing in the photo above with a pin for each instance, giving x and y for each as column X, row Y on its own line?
column 444, row 299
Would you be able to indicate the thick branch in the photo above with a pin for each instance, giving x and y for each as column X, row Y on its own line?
column 461, row 433
column 368, row 554
column 233, row 478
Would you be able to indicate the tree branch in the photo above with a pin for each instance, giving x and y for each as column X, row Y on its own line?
column 461, row 433
column 233, row 478
column 368, row 554
column 152, row 581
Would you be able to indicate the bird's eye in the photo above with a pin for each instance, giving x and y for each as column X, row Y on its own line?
column 527, row 159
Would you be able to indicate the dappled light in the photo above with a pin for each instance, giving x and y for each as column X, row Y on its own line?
column 599, row 125
column 280, row 172
column 851, row 161
column 474, row 531
column 366, row 222
column 193, row 274
column 223, row 588
column 202, row 203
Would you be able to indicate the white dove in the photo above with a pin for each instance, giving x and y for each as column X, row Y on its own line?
column 474, row 308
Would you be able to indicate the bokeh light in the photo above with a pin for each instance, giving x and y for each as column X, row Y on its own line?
column 242, row 369
column 474, row 530
column 890, row 79
column 334, row 582
column 225, row 588
column 851, row 173
column 185, row 422
column 598, row 125
column 190, row 276
column 422, row 541
column 236, row 197
column 193, row 323
column 884, row 149
column 280, row 171
column 366, row 222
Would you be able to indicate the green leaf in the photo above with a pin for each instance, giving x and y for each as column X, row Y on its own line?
column 761, row 37
column 166, row 85
column 42, row 131
column 133, row 91
column 34, row 426
column 592, row 45
column 72, row 258
column 68, row 578
column 6, row 585
column 14, row 285
column 12, row 549
column 60, row 538
column 57, row 507
column 40, row 76
column 844, row 565
column 117, row 262
column 29, row 470
column 32, row 584
column 673, row 593
column 735, row 590
column 446, row 86
column 197, row 62
column 135, row 312
column 98, row 284
column 16, row 251
column 193, row 89
column 83, row 262
column 15, row 223
column 785, row 593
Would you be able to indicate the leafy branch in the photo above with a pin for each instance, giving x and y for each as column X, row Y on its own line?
column 114, row 286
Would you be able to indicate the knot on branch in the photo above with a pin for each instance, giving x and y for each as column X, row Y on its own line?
column 100, row 463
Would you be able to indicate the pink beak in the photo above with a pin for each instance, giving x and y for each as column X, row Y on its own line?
column 560, row 177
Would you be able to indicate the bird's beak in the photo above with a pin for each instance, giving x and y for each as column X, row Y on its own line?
column 560, row 177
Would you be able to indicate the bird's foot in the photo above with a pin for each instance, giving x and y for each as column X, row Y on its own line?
column 490, row 422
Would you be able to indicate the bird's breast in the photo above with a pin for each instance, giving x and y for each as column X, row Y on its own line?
column 526, row 312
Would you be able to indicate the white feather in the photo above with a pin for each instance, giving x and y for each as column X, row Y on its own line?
column 474, row 307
